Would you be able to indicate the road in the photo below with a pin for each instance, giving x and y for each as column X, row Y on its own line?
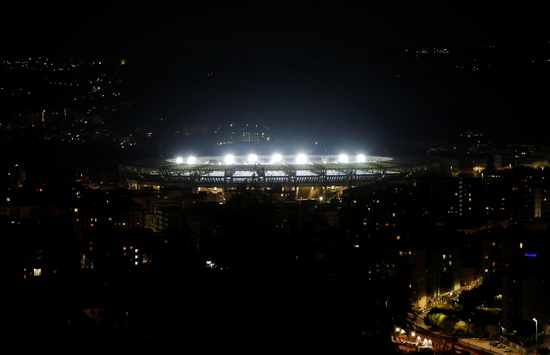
column 474, row 345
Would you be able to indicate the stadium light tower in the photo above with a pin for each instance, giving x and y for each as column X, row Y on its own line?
column 229, row 159
column 301, row 158
column 276, row 158
column 343, row 158
column 252, row 158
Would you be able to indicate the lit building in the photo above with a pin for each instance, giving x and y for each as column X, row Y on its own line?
column 416, row 260
column 303, row 176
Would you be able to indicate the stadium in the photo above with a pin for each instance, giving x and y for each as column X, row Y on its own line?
column 293, row 177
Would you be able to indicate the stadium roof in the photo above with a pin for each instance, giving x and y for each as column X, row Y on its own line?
column 215, row 171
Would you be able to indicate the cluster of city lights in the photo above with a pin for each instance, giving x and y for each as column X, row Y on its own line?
column 300, row 158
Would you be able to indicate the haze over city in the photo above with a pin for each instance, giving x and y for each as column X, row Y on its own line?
column 361, row 70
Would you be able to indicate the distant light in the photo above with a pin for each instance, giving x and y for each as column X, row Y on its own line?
column 531, row 255
column 252, row 158
column 276, row 158
column 191, row 160
column 301, row 158
column 229, row 159
column 361, row 158
column 179, row 160
column 343, row 158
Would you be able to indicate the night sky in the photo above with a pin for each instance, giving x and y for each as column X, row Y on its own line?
column 337, row 70
column 224, row 29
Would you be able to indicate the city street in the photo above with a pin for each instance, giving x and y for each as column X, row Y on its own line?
column 474, row 345
column 485, row 346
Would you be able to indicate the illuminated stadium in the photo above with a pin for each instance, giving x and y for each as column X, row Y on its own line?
column 294, row 176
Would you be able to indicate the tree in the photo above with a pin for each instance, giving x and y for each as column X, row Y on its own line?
column 432, row 319
column 492, row 330
column 447, row 323
column 461, row 327
column 476, row 330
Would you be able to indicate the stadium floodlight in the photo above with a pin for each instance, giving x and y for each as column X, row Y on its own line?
column 229, row 159
column 301, row 158
column 343, row 158
column 191, row 160
column 252, row 158
column 179, row 160
column 361, row 158
column 276, row 158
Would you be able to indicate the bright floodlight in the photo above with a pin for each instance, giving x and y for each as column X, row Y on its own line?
column 343, row 158
column 301, row 158
column 229, row 159
column 276, row 158
column 191, row 160
column 361, row 158
column 252, row 158
column 179, row 160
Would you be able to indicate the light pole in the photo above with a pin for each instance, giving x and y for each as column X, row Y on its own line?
column 536, row 335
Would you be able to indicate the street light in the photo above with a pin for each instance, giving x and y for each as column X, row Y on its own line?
column 536, row 334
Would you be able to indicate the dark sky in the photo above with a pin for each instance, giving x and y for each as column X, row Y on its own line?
column 326, row 66
column 293, row 28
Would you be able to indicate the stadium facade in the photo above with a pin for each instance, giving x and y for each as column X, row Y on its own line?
column 291, row 176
